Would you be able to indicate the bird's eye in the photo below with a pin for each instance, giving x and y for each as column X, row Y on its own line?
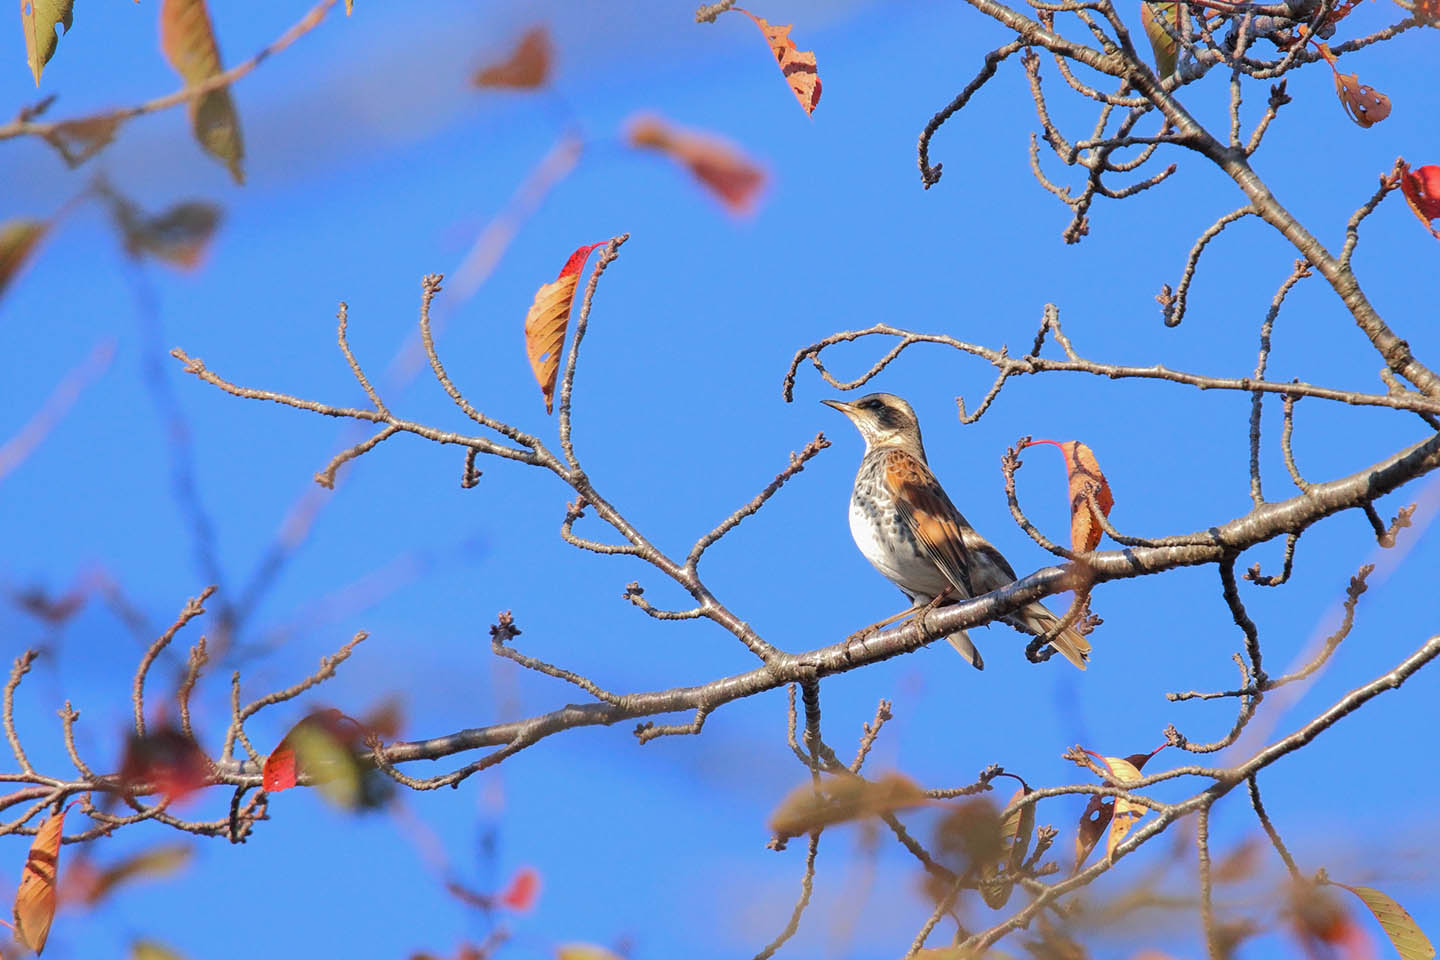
column 872, row 405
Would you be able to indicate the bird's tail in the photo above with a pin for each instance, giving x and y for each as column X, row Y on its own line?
column 960, row 640
column 1069, row 644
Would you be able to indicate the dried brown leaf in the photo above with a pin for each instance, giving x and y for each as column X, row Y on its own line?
column 843, row 798
column 78, row 140
column 188, row 41
column 1085, row 476
column 1126, row 812
column 527, row 66
column 17, row 241
column 547, row 321
column 35, row 898
column 798, row 66
column 734, row 179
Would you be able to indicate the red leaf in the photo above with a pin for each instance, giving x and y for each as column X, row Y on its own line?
column 166, row 761
column 322, row 747
column 1421, row 188
column 522, row 891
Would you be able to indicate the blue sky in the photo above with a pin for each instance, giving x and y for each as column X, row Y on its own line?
column 370, row 162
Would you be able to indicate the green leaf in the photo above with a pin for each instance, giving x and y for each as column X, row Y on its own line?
column 1410, row 942
column 1165, row 46
column 38, row 19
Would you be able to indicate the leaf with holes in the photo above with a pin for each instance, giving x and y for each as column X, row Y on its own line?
column 17, row 241
column 843, row 798
column 527, row 66
column 1421, row 188
column 798, row 66
column 38, row 18
column 188, row 41
column 1365, row 105
column 1085, row 477
column 1409, row 940
column 35, row 899
column 1099, row 815
column 1166, row 47
column 547, row 321
column 731, row 176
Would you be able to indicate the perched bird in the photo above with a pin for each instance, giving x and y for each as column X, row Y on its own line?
column 906, row 526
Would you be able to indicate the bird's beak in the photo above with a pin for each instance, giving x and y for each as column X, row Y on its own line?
column 842, row 406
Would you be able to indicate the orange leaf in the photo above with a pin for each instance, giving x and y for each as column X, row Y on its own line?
column 166, row 761
column 547, row 321
column 798, row 66
column 1100, row 812
column 527, row 67
column 188, row 41
column 523, row 890
column 1421, row 188
column 843, row 798
column 1365, row 105
column 17, row 239
column 35, row 899
column 1085, row 475
column 735, row 180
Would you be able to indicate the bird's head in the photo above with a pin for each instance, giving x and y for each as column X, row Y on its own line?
column 884, row 420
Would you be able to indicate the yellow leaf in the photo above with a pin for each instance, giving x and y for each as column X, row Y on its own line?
column 841, row 799
column 157, row 861
column 17, row 240
column 584, row 951
column 38, row 19
column 1410, row 942
column 188, row 41
column 527, row 66
column 1126, row 811
column 150, row 950
column 35, row 899
column 547, row 320
column 1165, row 46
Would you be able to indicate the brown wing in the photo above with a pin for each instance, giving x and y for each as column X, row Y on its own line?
column 930, row 515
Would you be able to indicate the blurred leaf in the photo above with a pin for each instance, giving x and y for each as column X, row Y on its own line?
column 522, row 891
column 35, row 898
column 728, row 173
column 798, row 66
column 527, row 66
column 38, row 19
column 1126, row 812
column 324, row 748
column 165, row 760
column 17, row 241
column 188, row 41
column 1015, row 835
column 1322, row 925
column 1420, row 186
column 547, row 320
column 1165, row 46
column 155, row 862
column 584, row 951
column 1239, row 864
column 78, row 140
column 150, row 950
column 180, row 236
column 843, row 798
column 1410, row 942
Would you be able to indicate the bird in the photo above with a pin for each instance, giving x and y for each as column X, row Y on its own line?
column 906, row 526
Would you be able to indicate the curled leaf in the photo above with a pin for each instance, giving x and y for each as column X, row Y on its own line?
column 1100, row 812
column 188, row 41
column 734, row 179
column 1409, row 940
column 78, row 140
column 1015, row 835
column 35, row 898
column 38, row 18
column 547, row 321
column 1166, row 47
column 17, row 240
column 1085, row 477
column 1421, row 188
column 843, row 798
column 527, row 66
column 798, row 66
column 1126, row 811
